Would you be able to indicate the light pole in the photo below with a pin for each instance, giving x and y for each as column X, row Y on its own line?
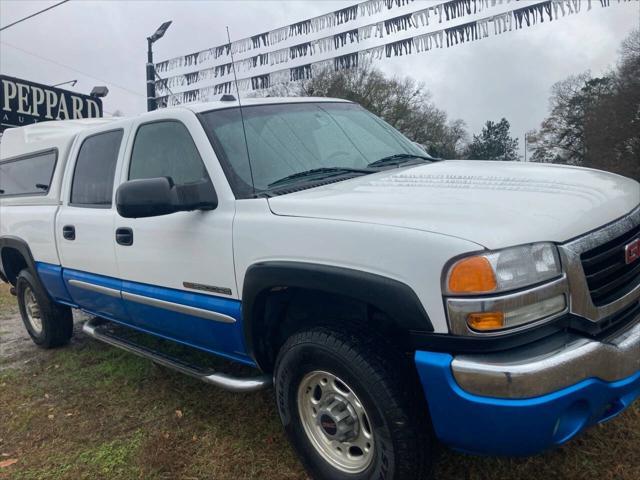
column 151, row 77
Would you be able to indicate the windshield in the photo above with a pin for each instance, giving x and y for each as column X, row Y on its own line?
column 288, row 139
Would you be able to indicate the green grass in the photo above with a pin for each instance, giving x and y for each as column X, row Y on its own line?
column 111, row 459
column 114, row 416
column 90, row 411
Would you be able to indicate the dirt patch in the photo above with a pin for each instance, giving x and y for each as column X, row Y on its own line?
column 16, row 347
column 91, row 411
column 14, row 340
column 13, row 337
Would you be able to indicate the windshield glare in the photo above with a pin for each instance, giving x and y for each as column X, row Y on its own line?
column 290, row 138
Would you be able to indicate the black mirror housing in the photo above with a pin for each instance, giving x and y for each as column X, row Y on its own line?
column 149, row 197
column 152, row 197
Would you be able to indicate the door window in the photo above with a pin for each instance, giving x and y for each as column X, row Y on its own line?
column 166, row 149
column 95, row 168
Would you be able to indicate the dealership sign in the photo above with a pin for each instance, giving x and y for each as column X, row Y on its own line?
column 23, row 102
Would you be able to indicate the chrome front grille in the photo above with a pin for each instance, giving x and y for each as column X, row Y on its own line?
column 601, row 284
column 609, row 277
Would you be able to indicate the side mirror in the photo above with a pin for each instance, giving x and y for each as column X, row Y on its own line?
column 152, row 197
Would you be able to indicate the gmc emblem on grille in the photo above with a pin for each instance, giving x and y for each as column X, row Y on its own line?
column 632, row 251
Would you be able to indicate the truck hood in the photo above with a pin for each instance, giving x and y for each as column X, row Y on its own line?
column 494, row 204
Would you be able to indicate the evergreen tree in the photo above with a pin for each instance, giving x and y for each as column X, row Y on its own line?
column 494, row 143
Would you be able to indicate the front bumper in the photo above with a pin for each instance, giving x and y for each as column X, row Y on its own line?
column 533, row 398
column 550, row 364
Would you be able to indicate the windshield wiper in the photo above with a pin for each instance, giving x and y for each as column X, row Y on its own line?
column 398, row 159
column 318, row 173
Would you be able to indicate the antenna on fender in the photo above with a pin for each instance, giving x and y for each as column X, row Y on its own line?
column 244, row 130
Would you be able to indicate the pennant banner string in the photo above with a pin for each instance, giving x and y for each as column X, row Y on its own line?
column 530, row 15
column 444, row 11
column 447, row 11
column 272, row 37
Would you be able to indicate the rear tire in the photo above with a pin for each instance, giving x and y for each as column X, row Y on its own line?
column 49, row 324
column 349, row 406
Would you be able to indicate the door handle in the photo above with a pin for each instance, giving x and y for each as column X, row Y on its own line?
column 69, row 232
column 124, row 236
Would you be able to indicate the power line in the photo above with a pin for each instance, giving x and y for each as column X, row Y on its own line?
column 72, row 69
column 33, row 15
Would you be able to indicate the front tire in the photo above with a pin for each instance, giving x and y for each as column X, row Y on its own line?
column 350, row 409
column 49, row 324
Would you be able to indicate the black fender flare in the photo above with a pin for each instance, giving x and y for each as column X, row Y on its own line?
column 22, row 247
column 395, row 299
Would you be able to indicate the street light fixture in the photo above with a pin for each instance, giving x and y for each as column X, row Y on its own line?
column 99, row 92
column 159, row 33
column 151, row 78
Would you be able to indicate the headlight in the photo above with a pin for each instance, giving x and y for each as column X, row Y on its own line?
column 532, row 273
column 504, row 270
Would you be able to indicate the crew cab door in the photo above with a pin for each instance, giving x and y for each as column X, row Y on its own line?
column 177, row 270
column 84, row 224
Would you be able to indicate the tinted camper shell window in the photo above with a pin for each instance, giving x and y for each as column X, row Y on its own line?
column 28, row 175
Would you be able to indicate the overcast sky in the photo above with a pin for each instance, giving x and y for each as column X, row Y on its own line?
column 103, row 43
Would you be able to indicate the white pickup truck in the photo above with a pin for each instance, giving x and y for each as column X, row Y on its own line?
column 392, row 299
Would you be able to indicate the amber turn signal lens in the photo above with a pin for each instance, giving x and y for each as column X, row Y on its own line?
column 472, row 275
column 486, row 321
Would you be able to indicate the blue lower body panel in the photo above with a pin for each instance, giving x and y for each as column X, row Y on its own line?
column 219, row 338
column 51, row 278
column 95, row 302
column 225, row 339
column 516, row 427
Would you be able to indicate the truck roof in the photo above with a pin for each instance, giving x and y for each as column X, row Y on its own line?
column 45, row 135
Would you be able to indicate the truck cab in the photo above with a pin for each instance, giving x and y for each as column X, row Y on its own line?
column 391, row 299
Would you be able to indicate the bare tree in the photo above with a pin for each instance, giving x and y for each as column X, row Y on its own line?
column 560, row 138
column 595, row 122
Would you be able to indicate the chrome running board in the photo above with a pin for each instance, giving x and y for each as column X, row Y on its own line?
column 235, row 384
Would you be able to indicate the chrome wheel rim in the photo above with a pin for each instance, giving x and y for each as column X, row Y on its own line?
column 335, row 422
column 32, row 309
